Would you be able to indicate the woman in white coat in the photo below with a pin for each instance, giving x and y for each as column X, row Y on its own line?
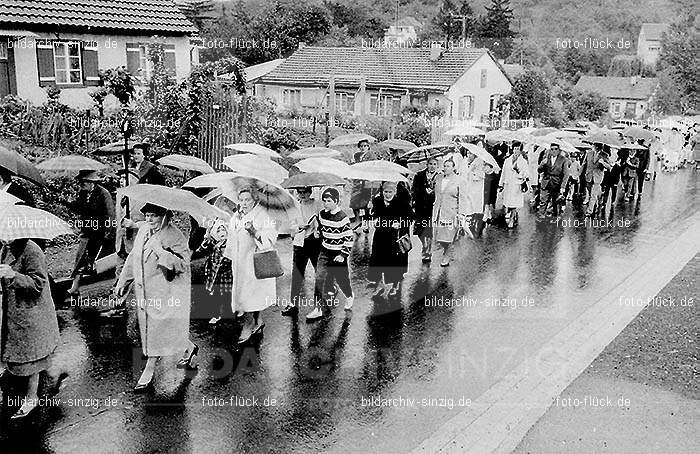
column 514, row 174
column 250, row 230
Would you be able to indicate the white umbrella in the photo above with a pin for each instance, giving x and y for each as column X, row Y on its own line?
column 8, row 199
column 186, row 162
column 314, row 152
column 254, row 148
column 22, row 221
column 71, row 163
column 350, row 139
column 257, row 166
column 465, row 130
column 379, row 164
column 481, row 152
column 324, row 165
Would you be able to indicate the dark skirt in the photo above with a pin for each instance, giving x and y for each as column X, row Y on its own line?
column 491, row 188
column 386, row 257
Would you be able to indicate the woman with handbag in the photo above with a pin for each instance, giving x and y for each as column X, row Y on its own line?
column 159, row 268
column 449, row 208
column 392, row 217
column 513, row 175
column 250, row 246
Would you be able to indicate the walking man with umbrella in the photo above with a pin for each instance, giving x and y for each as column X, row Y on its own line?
column 95, row 209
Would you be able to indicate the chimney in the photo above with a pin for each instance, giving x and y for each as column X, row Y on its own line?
column 436, row 51
column 633, row 80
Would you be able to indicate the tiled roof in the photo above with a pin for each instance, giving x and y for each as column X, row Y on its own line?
column 132, row 15
column 383, row 67
column 653, row 31
column 618, row 87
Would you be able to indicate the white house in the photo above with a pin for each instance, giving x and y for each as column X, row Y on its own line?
column 628, row 97
column 649, row 42
column 382, row 80
column 403, row 31
column 64, row 43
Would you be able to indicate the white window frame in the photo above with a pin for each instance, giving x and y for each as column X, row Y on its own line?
column 342, row 100
column 385, row 104
column 465, row 107
column 615, row 106
column 67, row 45
column 288, row 95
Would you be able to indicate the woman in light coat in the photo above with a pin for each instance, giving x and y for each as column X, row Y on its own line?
column 159, row 268
column 29, row 326
column 449, row 208
column 513, row 175
column 250, row 230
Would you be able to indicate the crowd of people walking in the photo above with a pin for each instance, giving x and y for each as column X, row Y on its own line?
column 458, row 193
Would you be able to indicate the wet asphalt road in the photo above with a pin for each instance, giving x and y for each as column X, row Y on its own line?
column 313, row 385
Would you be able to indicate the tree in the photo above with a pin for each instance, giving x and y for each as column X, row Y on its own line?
column 629, row 65
column 530, row 96
column 585, row 105
column 448, row 22
column 494, row 31
column 679, row 60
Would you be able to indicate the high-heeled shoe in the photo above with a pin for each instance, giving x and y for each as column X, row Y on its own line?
column 23, row 412
column 186, row 363
column 141, row 388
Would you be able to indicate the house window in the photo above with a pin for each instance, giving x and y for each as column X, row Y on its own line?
column 630, row 109
column 465, row 107
column 493, row 102
column 385, row 105
column 345, row 103
column 291, row 98
column 615, row 107
column 67, row 63
column 139, row 64
column 483, row 78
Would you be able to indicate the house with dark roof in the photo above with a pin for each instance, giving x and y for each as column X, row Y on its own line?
column 628, row 97
column 380, row 81
column 65, row 42
column 649, row 42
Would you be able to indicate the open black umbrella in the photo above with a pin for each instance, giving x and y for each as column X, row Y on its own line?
column 20, row 166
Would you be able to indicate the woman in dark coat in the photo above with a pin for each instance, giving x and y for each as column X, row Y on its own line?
column 29, row 332
column 392, row 217
column 423, row 200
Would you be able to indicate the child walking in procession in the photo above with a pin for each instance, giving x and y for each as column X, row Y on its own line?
column 336, row 243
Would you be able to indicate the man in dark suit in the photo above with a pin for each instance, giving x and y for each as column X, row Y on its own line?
column 643, row 168
column 554, row 168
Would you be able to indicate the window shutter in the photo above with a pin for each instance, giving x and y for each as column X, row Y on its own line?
column 90, row 64
column 44, row 64
column 133, row 58
column 169, row 58
column 471, row 106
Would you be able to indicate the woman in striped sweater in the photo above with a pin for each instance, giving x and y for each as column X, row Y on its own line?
column 336, row 243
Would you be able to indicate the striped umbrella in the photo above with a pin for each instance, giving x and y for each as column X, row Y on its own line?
column 22, row 221
column 426, row 152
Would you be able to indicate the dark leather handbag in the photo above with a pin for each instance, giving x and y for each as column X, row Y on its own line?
column 267, row 264
column 405, row 244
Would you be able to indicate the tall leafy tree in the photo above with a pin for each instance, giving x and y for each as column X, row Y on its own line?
column 449, row 22
column 679, row 60
column 530, row 96
column 495, row 32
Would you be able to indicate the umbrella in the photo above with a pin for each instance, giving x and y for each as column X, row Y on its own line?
column 527, row 130
column 350, row 139
column 505, row 135
column 116, row 148
column 305, row 180
column 19, row 165
column 314, row 152
column 74, row 162
column 481, row 152
column 638, row 133
column 255, row 149
column 398, row 144
column 576, row 129
column 465, row 131
column 174, row 199
column 427, row 152
column 325, row 165
column 606, row 138
column 378, row 164
column 578, row 143
column 185, row 162
column 22, row 221
column 375, row 174
column 280, row 204
column 632, row 146
column 543, row 131
column 562, row 134
column 247, row 164
column 8, row 199
column 564, row 145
